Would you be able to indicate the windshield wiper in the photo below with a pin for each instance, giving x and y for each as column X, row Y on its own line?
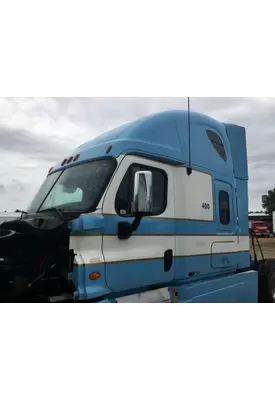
column 64, row 214
column 58, row 211
column 23, row 213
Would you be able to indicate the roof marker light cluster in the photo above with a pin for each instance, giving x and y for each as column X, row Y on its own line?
column 66, row 161
column 70, row 159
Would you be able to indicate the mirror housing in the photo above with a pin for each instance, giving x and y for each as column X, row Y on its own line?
column 143, row 194
column 142, row 204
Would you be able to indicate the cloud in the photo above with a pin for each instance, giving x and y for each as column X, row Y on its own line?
column 26, row 143
column 2, row 188
column 37, row 132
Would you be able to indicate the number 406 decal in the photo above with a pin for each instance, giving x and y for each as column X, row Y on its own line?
column 206, row 206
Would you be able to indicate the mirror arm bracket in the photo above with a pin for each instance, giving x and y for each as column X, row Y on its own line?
column 126, row 229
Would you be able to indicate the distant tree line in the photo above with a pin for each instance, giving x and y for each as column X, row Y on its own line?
column 268, row 201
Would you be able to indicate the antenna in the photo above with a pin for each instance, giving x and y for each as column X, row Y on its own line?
column 189, row 169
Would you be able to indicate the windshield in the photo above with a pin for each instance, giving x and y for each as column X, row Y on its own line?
column 77, row 188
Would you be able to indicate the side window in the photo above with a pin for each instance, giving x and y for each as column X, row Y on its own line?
column 224, row 207
column 125, row 192
column 217, row 144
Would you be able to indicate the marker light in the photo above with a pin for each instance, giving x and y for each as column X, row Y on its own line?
column 109, row 148
column 69, row 160
column 64, row 161
column 94, row 276
column 50, row 170
column 76, row 157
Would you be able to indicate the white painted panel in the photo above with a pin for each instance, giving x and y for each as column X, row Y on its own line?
column 199, row 245
column 88, row 249
column 153, row 296
column 244, row 244
column 146, row 247
column 229, row 245
column 110, row 186
column 191, row 192
column 137, row 247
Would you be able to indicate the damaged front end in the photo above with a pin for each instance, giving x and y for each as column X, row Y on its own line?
column 35, row 258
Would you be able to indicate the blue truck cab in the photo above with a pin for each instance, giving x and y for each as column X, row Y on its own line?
column 151, row 209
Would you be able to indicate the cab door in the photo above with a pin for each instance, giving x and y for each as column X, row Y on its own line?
column 223, row 249
column 147, row 257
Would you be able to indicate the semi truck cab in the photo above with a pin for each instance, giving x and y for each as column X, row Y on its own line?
column 140, row 209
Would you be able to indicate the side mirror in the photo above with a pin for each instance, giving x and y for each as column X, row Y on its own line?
column 142, row 204
column 143, row 193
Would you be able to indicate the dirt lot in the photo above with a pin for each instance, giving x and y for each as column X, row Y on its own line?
column 268, row 247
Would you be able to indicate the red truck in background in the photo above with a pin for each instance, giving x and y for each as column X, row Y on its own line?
column 261, row 228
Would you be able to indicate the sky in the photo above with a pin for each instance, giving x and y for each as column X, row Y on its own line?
column 35, row 133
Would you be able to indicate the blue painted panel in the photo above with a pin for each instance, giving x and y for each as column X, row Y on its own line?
column 220, row 261
column 125, row 277
column 237, row 140
column 149, row 226
column 165, row 136
column 242, row 204
column 155, row 135
column 239, row 288
column 199, row 266
column 136, row 274
column 92, row 224
column 130, row 277
column 85, row 288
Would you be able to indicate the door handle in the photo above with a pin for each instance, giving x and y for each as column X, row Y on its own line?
column 168, row 260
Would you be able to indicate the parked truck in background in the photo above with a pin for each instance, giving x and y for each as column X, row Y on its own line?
column 139, row 213
column 261, row 228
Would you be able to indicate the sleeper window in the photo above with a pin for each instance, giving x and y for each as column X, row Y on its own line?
column 224, row 207
column 217, row 144
column 125, row 192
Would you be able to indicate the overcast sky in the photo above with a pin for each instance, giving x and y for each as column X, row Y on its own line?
column 35, row 133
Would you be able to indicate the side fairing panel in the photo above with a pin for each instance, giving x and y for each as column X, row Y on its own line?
column 242, row 206
column 240, row 288
column 237, row 139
